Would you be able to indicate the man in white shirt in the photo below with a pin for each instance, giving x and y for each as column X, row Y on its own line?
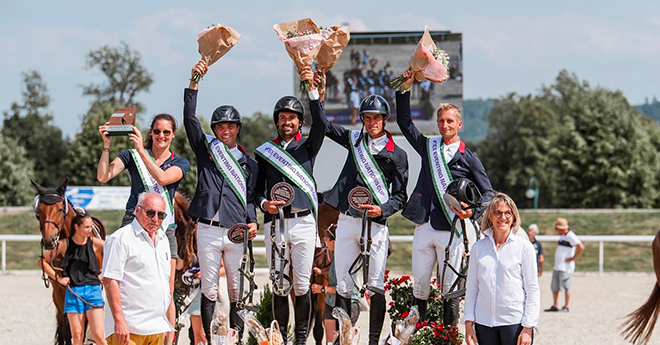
column 570, row 248
column 136, row 273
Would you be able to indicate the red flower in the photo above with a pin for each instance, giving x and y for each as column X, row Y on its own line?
column 387, row 271
column 419, row 325
column 395, row 281
column 391, row 303
column 405, row 313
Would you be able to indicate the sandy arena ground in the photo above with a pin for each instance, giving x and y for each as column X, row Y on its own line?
column 597, row 308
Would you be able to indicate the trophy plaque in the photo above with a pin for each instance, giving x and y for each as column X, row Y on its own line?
column 237, row 232
column 359, row 196
column 121, row 122
column 283, row 191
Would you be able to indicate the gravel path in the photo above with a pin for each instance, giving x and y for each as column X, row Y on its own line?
column 598, row 305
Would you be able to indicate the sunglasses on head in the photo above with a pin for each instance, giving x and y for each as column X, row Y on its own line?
column 166, row 132
column 152, row 213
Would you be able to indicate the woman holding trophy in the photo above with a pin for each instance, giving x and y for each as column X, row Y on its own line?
column 153, row 167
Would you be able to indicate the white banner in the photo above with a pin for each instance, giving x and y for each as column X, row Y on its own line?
column 98, row 198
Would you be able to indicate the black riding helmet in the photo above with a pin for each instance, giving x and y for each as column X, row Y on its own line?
column 225, row 113
column 288, row 103
column 374, row 104
column 465, row 191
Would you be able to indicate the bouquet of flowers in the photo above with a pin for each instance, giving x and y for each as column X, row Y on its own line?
column 254, row 327
column 302, row 40
column 214, row 42
column 348, row 335
column 428, row 63
column 404, row 329
column 221, row 334
column 437, row 333
column 401, row 294
column 336, row 40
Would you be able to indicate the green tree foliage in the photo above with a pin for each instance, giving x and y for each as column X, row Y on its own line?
column 587, row 147
column 31, row 125
column 523, row 131
column 87, row 146
column 256, row 130
column 15, row 172
column 125, row 78
column 125, row 75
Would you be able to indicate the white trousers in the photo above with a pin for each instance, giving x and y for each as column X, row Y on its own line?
column 300, row 237
column 347, row 249
column 213, row 245
column 428, row 249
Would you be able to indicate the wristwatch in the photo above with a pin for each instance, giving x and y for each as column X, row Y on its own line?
column 323, row 289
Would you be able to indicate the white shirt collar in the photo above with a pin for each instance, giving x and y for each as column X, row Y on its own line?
column 489, row 232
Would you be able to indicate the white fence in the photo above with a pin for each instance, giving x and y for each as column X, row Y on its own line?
column 262, row 251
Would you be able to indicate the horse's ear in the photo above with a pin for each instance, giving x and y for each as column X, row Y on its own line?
column 62, row 188
column 37, row 187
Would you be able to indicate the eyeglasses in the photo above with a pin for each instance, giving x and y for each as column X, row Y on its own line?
column 506, row 214
column 152, row 213
column 166, row 132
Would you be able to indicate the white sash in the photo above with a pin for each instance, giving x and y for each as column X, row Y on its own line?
column 369, row 169
column 229, row 168
column 289, row 167
column 152, row 186
column 440, row 174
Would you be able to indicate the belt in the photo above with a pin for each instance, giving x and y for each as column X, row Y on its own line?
column 382, row 221
column 208, row 222
column 297, row 214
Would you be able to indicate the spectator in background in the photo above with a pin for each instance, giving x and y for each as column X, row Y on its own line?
column 532, row 231
column 570, row 248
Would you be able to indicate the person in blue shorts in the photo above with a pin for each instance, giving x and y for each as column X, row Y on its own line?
column 80, row 276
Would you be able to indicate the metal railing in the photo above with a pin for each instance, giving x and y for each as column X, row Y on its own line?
column 601, row 239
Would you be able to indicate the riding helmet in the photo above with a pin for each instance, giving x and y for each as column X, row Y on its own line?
column 225, row 113
column 288, row 103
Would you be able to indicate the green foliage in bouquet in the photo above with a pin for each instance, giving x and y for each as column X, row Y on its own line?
column 265, row 313
column 437, row 333
column 401, row 295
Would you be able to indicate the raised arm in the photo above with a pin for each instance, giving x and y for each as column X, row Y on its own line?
column 319, row 121
column 106, row 170
column 404, row 118
column 196, row 135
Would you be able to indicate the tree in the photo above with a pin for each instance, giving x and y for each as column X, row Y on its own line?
column 29, row 124
column 126, row 77
column 523, row 130
column 86, row 148
column 15, row 172
column 587, row 147
column 256, row 130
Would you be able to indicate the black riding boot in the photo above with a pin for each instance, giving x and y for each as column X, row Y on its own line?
column 376, row 317
column 302, row 317
column 421, row 308
column 281, row 313
column 450, row 311
column 207, row 308
column 235, row 321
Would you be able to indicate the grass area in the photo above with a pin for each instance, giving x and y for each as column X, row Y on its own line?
column 619, row 257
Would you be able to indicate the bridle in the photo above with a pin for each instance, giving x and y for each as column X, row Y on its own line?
column 55, row 241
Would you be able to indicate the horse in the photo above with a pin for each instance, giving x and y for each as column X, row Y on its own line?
column 55, row 213
column 639, row 324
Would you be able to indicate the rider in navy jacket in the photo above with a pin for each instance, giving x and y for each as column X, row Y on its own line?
column 215, row 206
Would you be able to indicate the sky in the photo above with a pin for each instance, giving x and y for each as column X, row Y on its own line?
column 508, row 46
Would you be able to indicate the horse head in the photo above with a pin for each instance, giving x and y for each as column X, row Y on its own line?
column 52, row 209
